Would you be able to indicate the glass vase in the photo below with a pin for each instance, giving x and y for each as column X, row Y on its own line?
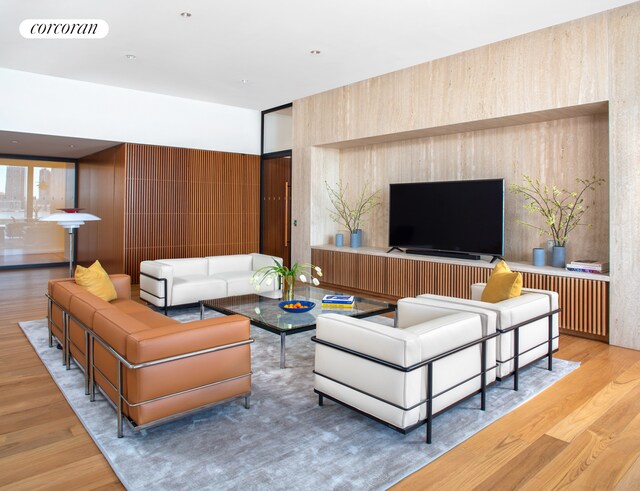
column 288, row 286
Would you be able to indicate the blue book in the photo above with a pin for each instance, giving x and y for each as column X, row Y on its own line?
column 338, row 299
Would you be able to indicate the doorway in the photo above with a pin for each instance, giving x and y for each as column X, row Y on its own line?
column 275, row 178
column 275, row 229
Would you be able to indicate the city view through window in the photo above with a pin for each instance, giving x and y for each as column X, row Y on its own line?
column 29, row 191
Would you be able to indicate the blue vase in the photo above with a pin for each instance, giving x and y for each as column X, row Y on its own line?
column 538, row 256
column 558, row 260
column 356, row 239
column 339, row 240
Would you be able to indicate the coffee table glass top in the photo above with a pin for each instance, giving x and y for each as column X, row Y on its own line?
column 263, row 309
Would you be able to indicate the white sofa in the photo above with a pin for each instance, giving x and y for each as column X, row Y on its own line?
column 533, row 315
column 169, row 282
column 403, row 376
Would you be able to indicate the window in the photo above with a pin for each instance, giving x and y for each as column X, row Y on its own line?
column 30, row 190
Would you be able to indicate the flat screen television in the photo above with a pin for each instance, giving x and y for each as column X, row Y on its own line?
column 448, row 218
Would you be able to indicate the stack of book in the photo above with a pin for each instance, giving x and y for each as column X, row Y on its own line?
column 337, row 302
column 588, row 266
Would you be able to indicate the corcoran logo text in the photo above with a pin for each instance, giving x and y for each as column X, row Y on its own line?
column 64, row 28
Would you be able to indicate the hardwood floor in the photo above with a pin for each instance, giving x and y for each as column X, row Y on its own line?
column 581, row 433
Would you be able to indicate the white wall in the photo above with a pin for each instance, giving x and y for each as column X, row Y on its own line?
column 32, row 103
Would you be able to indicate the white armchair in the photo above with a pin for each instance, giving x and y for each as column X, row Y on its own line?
column 403, row 376
column 527, row 325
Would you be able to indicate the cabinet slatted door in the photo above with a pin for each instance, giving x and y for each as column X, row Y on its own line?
column 584, row 302
column 275, row 225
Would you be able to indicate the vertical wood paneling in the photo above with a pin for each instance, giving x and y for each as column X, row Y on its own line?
column 401, row 275
column 372, row 273
column 188, row 203
column 276, row 208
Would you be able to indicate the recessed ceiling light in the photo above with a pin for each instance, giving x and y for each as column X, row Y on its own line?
column 185, row 14
column 14, row 141
column 244, row 81
column 130, row 57
column 315, row 51
column 72, row 146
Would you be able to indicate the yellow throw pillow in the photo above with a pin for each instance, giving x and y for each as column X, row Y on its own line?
column 502, row 284
column 96, row 280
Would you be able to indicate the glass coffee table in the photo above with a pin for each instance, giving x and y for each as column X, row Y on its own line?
column 264, row 312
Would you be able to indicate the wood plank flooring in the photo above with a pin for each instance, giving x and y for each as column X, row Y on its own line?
column 581, row 433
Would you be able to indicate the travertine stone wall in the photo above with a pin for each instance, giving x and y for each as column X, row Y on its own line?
column 466, row 109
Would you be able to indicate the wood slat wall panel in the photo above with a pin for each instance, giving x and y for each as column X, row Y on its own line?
column 584, row 302
column 187, row 203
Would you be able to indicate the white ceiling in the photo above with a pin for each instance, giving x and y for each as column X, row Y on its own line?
column 267, row 43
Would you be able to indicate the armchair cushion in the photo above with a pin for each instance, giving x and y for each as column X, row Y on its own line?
column 502, row 284
column 96, row 280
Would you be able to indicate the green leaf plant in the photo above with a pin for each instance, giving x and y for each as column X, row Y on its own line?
column 561, row 209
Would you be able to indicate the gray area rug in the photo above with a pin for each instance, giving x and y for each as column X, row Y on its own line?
column 285, row 441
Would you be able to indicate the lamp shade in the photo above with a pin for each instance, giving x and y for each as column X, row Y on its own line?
column 70, row 220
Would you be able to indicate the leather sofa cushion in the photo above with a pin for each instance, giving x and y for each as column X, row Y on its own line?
column 129, row 306
column 84, row 305
column 63, row 291
column 198, row 286
column 225, row 264
column 153, row 344
column 152, row 319
column 114, row 327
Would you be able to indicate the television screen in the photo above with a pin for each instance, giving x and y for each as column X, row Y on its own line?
column 448, row 216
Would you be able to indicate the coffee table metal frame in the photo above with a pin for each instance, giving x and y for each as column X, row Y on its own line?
column 264, row 312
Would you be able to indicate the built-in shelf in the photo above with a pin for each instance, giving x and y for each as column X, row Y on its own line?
column 583, row 298
column 483, row 263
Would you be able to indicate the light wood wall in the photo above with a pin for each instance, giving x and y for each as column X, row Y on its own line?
column 505, row 153
column 548, row 75
column 165, row 202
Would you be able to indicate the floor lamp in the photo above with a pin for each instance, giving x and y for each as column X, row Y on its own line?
column 71, row 219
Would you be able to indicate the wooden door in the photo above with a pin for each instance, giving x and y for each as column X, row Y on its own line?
column 275, row 225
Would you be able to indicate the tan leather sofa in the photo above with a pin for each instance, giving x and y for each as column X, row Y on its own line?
column 151, row 367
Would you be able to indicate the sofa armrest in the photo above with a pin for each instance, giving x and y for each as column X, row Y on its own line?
column 122, row 284
column 428, row 303
column 152, row 286
column 180, row 339
column 262, row 260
